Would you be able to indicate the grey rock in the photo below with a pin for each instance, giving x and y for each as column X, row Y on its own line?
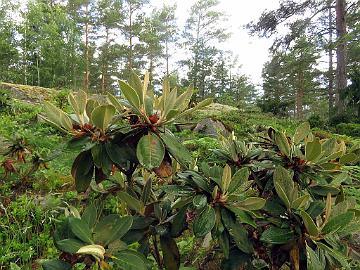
column 212, row 127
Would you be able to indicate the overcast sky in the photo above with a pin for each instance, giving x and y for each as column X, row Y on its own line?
column 252, row 51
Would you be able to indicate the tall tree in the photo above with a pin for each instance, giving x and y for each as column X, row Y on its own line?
column 9, row 55
column 341, row 78
column 133, row 12
column 300, row 65
column 108, row 21
column 158, row 33
column 169, row 32
column 203, row 31
column 83, row 13
column 304, row 15
column 47, row 39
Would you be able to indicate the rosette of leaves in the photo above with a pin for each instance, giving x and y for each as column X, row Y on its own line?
column 316, row 163
column 310, row 231
column 91, row 127
column 106, row 146
column 221, row 203
column 94, row 241
column 150, row 113
column 238, row 153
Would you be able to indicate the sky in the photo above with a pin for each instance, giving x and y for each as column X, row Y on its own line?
column 252, row 51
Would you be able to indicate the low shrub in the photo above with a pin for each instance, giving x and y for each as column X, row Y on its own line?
column 350, row 129
column 316, row 121
column 275, row 203
column 345, row 117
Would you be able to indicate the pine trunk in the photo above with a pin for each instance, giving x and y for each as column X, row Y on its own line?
column 86, row 76
column 331, row 69
column 340, row 53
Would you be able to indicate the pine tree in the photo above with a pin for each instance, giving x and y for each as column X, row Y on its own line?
column 203, row 32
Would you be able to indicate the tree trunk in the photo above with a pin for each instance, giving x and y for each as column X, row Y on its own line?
column 340, row 53
column 300, row 96
column 105, row 64
column 38, row 69
column 151, row 70
column 167, row 57
column 196, row 56
column 331, row 69
column 86, row 76
column 130, row 62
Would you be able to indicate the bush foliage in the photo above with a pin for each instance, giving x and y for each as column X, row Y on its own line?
column 275, row 203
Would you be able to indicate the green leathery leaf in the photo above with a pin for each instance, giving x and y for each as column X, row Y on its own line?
column 338, row 222
column 130, row 94
column 102, row 116
column 282, row 194
column 183, row 100
column 81, row 230
column 323, row 190
column 342, row 259
column 198, row 106
column 282, row 142
column 55, row 265
column 284, row 185
column 224, row 243
column 130, row 260
column 242, row 215
column 237, row 231
column 150, row 151
column 310, row 225
column 300, row 202
column 315, row 208
column 101, row 158
column 199, row 201
column 251, row 203
column 146, row 192
column 118, row 154
column 69, row 245
column 313, row 150
column 328, row 147
column 149, row 106
column 90, row 215
column 170, row 102
column 176, row 149
column 115, row 102
column 348, row 158
column 172, row 114
column 111, row 228
column 226, row 178
column 131, row 202
column 136, row 83
column 239, row 178
column 179, row 222
column 204, row 222
column 313, row 260
column 82, row 171
column 90, row 106
column 171, row 253
column 145, row 85
column 57, row 116
column 301, row 132
column 275, row 235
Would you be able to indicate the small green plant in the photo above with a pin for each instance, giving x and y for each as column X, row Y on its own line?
column 277, row 203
